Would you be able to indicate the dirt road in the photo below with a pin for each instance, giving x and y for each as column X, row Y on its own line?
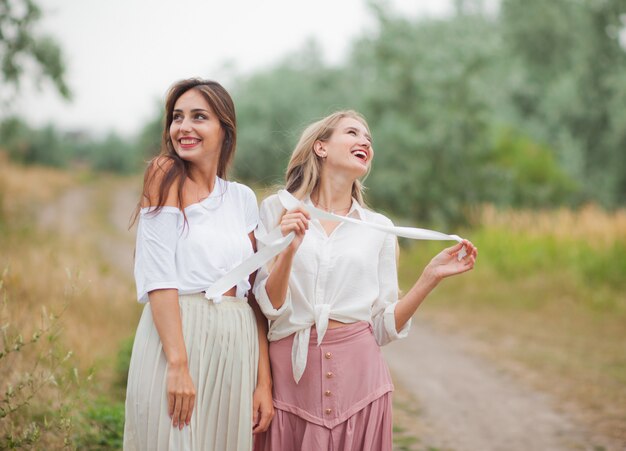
column 467, row 404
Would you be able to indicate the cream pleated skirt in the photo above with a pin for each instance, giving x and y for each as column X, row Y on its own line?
column 222, row 351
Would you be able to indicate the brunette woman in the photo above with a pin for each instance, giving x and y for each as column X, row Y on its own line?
column 199, row 374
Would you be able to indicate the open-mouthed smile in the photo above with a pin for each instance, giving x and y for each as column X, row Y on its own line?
column 187, row 143
column 361, row 154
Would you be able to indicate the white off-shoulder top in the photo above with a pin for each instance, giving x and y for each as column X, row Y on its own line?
column 191, row 257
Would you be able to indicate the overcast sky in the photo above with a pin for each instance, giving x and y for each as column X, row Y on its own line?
column 122, row 55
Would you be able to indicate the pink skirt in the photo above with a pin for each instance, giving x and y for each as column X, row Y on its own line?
column 343, row 400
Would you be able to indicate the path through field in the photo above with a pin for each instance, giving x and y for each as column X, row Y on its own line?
column 467, row 404
column 447, row 398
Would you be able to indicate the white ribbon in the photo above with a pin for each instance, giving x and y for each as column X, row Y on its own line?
column 290, row 202
column 247, row 267
column 277, row 243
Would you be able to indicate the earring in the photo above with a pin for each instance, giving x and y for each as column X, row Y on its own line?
column 319, row 151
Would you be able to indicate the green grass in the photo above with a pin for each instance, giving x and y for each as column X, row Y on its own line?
column 102, row 426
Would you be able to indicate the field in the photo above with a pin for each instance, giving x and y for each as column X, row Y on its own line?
column 67, row 312
column 547, row 302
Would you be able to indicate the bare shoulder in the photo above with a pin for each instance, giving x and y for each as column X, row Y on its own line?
column 160, row 164
column 155, row 187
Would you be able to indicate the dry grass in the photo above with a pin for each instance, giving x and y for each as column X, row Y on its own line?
column 24, row 188
column 97, row 305
column 589, row 223
column 64, row 271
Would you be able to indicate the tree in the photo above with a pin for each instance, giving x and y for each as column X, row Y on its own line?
column 149, row 139
column 23, row 50
column 273, row 106
column 424, row 88
column 570, row 69
column 431, row 91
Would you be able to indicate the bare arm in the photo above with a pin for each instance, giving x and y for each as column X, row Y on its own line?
column 413, row 299
column 181, row 392
column 263, row 406
column 444, row 264
column 167, row 320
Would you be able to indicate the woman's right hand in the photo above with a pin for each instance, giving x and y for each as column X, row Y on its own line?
column 181, row 395
column 297, row 221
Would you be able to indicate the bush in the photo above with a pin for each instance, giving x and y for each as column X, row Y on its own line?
column 39, row 382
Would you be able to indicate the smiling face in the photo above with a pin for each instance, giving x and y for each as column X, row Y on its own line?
column 195, row 131
column 348, row 149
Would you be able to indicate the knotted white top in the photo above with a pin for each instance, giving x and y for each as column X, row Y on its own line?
column 348, row 276
column 192, row 257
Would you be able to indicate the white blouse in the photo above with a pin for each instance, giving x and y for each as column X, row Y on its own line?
column 191, row 257
column 348, row 276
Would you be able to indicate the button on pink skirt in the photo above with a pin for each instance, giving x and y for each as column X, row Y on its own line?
column 343, row 400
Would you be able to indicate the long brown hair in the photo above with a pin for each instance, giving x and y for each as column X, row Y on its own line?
column 305, row 166
column 168, row 165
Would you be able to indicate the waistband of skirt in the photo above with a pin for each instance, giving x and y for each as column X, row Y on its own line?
column 337, row 334
column 199, row 297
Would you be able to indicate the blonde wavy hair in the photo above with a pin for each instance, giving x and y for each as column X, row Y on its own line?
column 305, row 166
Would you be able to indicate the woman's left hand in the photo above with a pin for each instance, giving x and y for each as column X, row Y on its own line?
column 262, row 409
column 446, row 263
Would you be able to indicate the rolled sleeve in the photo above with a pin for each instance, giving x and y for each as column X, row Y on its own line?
column 383, row 311
column 389, row 324
column 260, row 293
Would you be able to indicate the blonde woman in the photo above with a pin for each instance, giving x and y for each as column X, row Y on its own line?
column 332, row 298
column 199, row 374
